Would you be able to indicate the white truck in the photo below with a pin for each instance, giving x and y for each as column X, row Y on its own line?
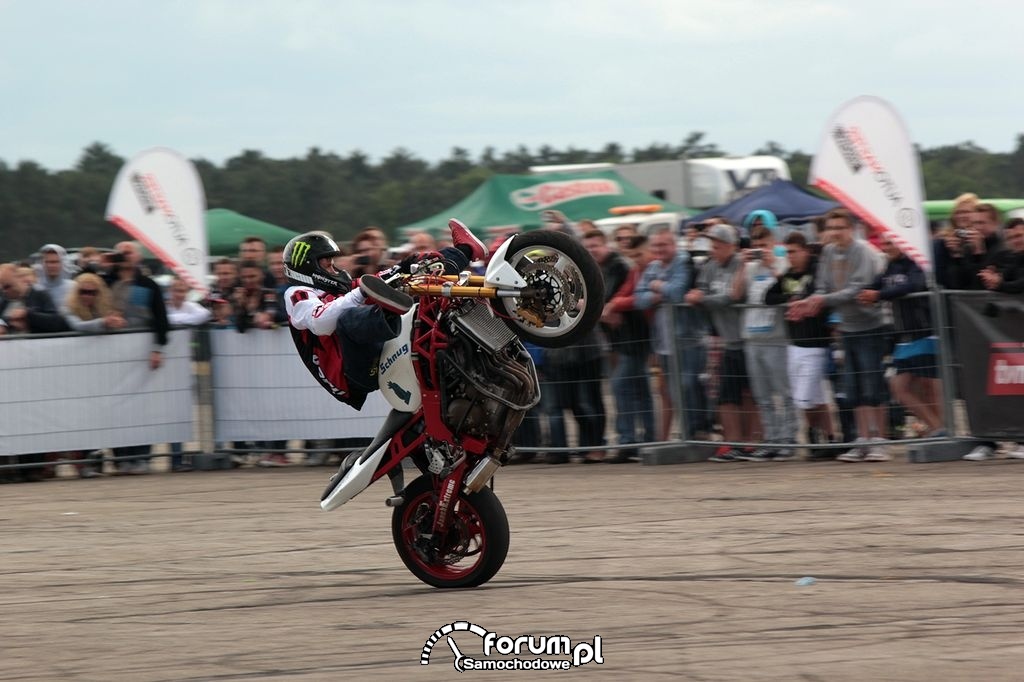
column 694, row 183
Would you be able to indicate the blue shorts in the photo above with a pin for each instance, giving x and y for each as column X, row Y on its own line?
column 863, row 370
column 918, row 357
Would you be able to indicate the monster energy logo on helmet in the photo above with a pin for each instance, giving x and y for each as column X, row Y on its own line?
column 299, row 253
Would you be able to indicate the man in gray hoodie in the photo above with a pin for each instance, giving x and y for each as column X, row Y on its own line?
column 847, row 266
column 54, row 278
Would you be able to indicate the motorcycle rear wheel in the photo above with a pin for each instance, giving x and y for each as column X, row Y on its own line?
column 475, row 546
column 570, row 286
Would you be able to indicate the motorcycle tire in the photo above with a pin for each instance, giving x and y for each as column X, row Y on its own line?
column 479, row 525
column 564, row 272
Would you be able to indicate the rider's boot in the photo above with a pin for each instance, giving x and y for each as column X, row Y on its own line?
column 346, row 464
column 377, row 291
column 461, row 236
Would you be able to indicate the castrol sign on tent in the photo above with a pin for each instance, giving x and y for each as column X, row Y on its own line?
column 515, row 202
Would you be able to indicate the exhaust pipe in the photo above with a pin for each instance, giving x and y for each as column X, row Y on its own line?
column 480, row 474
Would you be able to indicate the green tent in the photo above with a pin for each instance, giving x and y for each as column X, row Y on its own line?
column 516, row 201
column 942, row 209
column 226, row 229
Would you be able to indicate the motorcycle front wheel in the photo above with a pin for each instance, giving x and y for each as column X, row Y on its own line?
column 474, row 547
column 565, row 289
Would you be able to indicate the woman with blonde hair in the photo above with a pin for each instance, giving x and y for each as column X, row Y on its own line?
column 90, row 307
column 949, row 242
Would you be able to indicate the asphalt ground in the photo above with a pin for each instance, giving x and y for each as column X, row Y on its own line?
column 685, row 572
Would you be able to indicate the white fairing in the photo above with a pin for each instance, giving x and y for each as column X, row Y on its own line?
column 355, row 481
column 396, row 375
column 500, row 273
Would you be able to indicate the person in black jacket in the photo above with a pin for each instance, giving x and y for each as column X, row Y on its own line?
column 141, row 303
column 916, row 385
column 629, row 336
column 810, row 340
column 24, row 310
column 1008, row 277
column 972, row 249
column 1006, row 273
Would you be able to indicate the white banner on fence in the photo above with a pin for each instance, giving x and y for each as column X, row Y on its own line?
column 89, row 392
column 158, row 199
column 262, row 391
column 866, row 161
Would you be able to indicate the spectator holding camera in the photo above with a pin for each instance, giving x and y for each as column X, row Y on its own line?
column 764, row 343
column 947, row 240
column 369, row 249
column 254, row 304
column 974, row 248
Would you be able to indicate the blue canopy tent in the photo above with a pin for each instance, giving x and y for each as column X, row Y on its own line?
column 787, row 200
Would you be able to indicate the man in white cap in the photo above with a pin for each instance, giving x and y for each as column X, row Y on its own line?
column 720, row 286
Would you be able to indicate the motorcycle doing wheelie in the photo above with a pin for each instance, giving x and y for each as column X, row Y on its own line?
column 459, row 382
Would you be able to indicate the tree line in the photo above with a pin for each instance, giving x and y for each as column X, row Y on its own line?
column 343, row 194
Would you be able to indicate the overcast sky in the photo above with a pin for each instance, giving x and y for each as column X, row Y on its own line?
column 211, row 78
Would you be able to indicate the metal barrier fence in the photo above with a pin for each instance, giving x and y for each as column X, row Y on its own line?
column 94, row 391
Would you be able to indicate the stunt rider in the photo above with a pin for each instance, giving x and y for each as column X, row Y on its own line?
column 339, row 329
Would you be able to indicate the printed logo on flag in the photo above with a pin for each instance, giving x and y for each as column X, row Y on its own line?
column 142, row 193
column 846, row 149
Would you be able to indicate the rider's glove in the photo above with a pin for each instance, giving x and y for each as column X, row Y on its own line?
column 388, row 273
column 420, row 263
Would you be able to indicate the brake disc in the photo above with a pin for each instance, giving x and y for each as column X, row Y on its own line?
column 556, row 292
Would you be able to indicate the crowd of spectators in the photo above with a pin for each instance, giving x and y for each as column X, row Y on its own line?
column 772, row 336
column 766, row 334
column 99, row 291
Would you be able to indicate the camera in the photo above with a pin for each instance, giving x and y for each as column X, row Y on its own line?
column 963, row 234
column 362, row 260
column 700, row 227
column 755, row 254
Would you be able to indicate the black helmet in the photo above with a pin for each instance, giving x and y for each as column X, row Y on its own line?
column 301, row 263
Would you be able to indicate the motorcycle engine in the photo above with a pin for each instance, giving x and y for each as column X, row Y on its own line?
column 489, row 378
